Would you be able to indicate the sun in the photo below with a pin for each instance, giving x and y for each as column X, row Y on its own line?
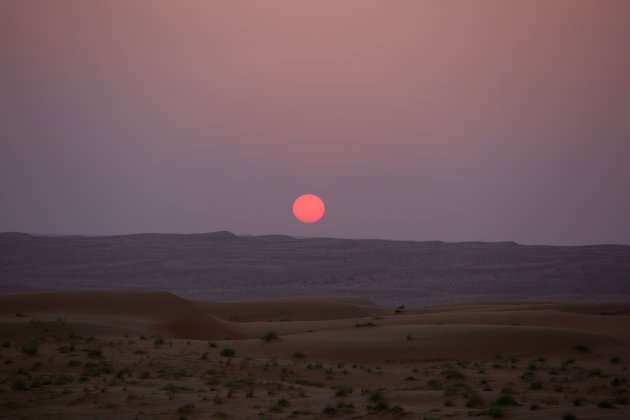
column 308, row 208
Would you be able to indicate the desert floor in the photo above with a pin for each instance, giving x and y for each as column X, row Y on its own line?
column 145, row 355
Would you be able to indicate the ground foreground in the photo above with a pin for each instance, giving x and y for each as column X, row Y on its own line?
column 123, row 354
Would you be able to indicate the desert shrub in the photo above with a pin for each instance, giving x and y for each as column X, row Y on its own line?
column 173, row 373
column 270, row 336
column 342, row 390
column 434, row 384
column 66, row 349
column 19, row 384
column 492, row 411
column 228, row 353
column 582, row 348
column 186, row 409
column 62, row 379
column 298, row 355
column 606, row 404
column 204, row 355
column 30, row 349
column 280, row 405
column 453, row 374
column 475, row 401
column 621, row 400
column 309, row 383
column 329, row 411
column 158, row 341
column 379, row 406
column 95, row 353
column 615, row 360
column 569, row 416
column 345, row 408
column 578, row 401
column 398, row 410
column 378, row 397
column 365, row 324
column 174, row 388
column 506, row 400
column 618, row 381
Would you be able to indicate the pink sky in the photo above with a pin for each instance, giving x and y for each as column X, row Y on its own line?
column 469, row 120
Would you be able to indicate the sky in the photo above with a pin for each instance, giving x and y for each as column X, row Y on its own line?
column 425, row 120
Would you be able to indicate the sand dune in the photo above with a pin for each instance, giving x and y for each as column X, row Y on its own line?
column 433, row 343
column 116, row 311
column 295, row 309
column 72, row 354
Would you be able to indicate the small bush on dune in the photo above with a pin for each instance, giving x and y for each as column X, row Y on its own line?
column 342, row 390
column 506, row 400
column 228, row 353
column 492, row 411
column 30, row 349
column 365, row 324
column 95, row 353
column 475, row 401
column 270, row 336
column 606, row 404
column 582, row 348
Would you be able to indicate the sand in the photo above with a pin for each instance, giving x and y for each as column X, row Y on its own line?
column 143, row 354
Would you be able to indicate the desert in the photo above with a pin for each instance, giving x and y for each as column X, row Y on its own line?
column 146, row 354
column 280, row 209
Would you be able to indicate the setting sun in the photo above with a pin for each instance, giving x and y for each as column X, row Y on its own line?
column 308, row 208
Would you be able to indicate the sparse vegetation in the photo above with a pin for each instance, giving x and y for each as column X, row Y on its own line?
column 606, row 404
column 30, row 349
column 227, row 352
column 342, row 390
column 582, row 348
column 365, row 324
column 270, row 336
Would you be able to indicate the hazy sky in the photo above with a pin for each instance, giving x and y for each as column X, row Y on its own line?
column 450, row 120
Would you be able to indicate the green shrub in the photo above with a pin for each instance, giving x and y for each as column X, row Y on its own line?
column 342, row 390
column 228, row 353
column 582, row 348
column 606, row 404
column 30, row 349
column 475, row 401
column 270, row 336
column 495, row 411
column 506, row 400
column 95, row 353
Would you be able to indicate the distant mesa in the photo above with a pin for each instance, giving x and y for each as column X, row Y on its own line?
column 220, row 235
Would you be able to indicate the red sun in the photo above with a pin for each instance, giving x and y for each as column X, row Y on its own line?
column 308, row 208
